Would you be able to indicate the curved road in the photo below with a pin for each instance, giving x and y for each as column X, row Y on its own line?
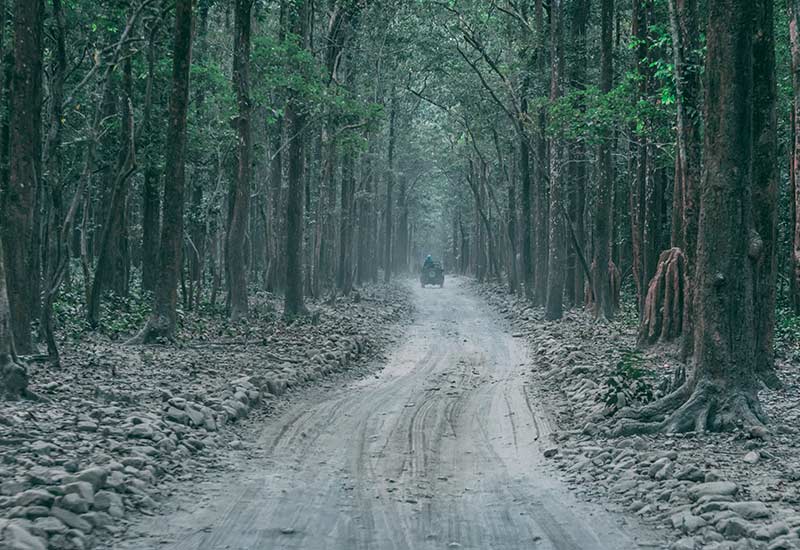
column 441, row 449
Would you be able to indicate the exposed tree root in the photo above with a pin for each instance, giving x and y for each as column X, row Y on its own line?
column 13, row 378
column 708, row 407
column 664, row 305
column 769, row 377
column 158, row 329
column 615, row 281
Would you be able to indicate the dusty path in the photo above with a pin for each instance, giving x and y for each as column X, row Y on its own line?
column 441, row 449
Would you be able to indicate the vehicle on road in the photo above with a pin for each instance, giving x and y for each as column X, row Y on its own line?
column 432, row 274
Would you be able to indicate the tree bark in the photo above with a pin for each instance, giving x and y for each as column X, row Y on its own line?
column 239, row 196
column 296, row 117
column 24, row 168
column 111, row 269
column 765, row 187
column 164, row 318
column 722, row 390
column 794, row 33
column 388, row 223
column 554, row 307
column 603, row 269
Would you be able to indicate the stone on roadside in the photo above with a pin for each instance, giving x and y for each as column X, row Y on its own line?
column 735, row 528
column 690, row 473
column 752, row 457
column 724, row 488
column 13, row 536
column 750, row 509
column 74, row 503
column 70, row 519
column 96, row 476
column 686, row 543
column 687, row 522
column 83, row 489
column 49, row 525
column 550, row 452
column 33, row 497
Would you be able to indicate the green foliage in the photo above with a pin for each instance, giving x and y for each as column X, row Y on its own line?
column 630, row 380
column 119, row 317
column 787, row 332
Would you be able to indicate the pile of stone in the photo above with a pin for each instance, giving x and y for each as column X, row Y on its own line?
column 110, row 441
column 698, row 491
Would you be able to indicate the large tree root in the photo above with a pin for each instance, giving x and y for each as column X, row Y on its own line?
column 13, row 378
column 708, row 407
column 156, row 330
column 664, row 305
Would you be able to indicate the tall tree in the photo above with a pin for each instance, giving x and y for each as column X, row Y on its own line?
column 13, row 374
column 164, row 318
column 19, row 196
column 765, row 188
column 794, row 275
column 558, row 243
column 296, row 118
column 239, row 196
column 602, row 274
column 722, row 390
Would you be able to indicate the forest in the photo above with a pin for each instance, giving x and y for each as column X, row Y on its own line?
column 186, row 154
column 171, row 165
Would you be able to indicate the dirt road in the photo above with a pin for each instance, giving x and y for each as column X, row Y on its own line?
column 441, row 449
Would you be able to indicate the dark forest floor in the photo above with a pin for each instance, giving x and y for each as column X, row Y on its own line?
column 118, row 427
column 709, row 491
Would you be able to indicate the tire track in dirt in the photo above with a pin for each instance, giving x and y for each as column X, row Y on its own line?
column 442, row 449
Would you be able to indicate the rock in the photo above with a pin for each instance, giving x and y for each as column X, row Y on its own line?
column 690, row 473
column 195, row 416
column 750, row 509
column 590, row 429
column 70, row 519
column 74, row 503
column 687, row 522
column 96, row 476
column 83, row 489
column 734, row 528
column 34, row 497
column 104, row 500
column 142, row 431
column 49, row 525
column 177, row 415
column 724, row 488
column 99, row 520
column 87, row 426
column 752, row 457
column 772, row 531
column 686, row 543
column 14, row 536
column 12, row 487
column 657, row 466
column 550, row 452
column 783, row 543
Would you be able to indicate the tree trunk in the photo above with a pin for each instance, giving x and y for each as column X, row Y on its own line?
column 24, row 168
column 603, row 269
column 722, row 391
column 794, row 33
column 164, row 318
column 387, row 235
column 296, row 120
column 554, row 307
column 110, row 268
column 527, row 217
column 765, row 187
column 239, row 197
column 13, row 374
column 151, row 199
